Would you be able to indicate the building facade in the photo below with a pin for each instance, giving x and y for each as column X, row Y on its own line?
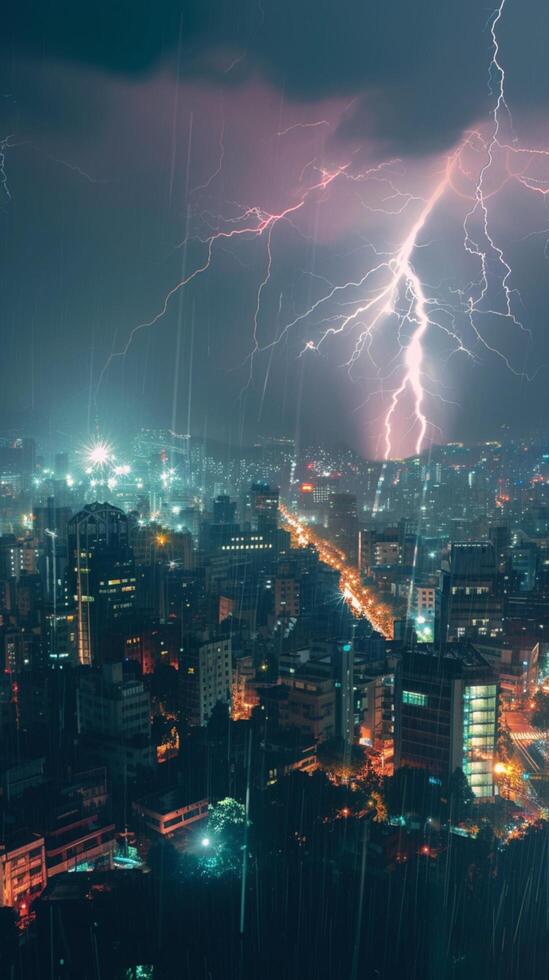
column 446, row 714
column 101, row 575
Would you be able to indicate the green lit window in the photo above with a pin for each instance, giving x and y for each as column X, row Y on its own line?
column 414, row 697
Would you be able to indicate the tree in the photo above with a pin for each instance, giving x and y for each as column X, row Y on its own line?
column 342, row 763
column 540, row 714
column 505, row 743
column 164, row 731
column 460, row 797
column 381, row 813
column 227, row 818
column 225, row 837
column 410, row 793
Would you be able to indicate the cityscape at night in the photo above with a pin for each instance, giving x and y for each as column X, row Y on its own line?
column 274, row 491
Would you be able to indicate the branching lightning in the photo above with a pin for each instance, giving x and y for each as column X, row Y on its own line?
column 393, row 298
column 303, row 125
column 253, row 222
column 4, row 184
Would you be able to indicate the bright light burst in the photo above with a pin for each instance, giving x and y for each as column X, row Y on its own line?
column 98, row 455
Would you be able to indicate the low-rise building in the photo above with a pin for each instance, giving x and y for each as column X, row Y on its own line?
column 169, row 812
column 82, row 843
column 22, row 870
column 311, row 704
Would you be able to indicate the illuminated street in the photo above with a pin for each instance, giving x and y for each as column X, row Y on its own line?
column 530, row 754
column 361, row 600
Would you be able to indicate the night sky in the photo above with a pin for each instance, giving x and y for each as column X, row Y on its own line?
column 133, row 132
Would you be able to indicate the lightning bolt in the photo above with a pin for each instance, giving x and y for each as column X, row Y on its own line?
column 253, row 222
column 413, row 357
column 215, row 173
column 4, row 183
column 480, row 205
column 401, row 280
column 303, row 125
column 394, row 299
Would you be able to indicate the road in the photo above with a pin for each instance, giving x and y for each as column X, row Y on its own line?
column 362, row 600
column 530, row 753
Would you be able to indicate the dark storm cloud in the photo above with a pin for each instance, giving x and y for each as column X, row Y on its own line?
column 417, row 71
column 99, row 98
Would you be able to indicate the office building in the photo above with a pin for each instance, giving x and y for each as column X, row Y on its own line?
column 343, row 524
column 101, row 575
column 446, row 714
column 287, row 597
column 205, row 672
column 264, row 502
column 470, row 594
column 113, row 716
column 224, row 510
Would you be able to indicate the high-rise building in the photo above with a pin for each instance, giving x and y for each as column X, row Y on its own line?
column 224, row 510
column 61, row 466
column 343, row 524
column 206, row 677
column 50, row 517
column 343, row 674
column 286, row 596
column 446, row 714
column 470, row 595
column 113, row 714
column 524, row 561
column 17, row 463
column 101, row 575
column 500, row 536
column 422, row 609
column 17, row 556
column 264, row 502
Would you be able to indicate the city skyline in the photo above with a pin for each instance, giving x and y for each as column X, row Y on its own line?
column 274, row 490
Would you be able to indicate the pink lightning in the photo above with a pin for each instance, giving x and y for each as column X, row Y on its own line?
column 396, row 301
column 4, row 184
column 264, row 223
column 413, row 357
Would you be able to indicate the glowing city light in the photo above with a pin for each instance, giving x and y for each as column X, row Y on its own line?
column 99, row 454
column 361, row 600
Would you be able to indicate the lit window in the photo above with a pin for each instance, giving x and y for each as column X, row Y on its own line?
column 415, row 698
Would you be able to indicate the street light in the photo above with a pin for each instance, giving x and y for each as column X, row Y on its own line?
column 205, row 842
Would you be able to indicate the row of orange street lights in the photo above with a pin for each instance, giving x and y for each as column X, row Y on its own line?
column 361, row 600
